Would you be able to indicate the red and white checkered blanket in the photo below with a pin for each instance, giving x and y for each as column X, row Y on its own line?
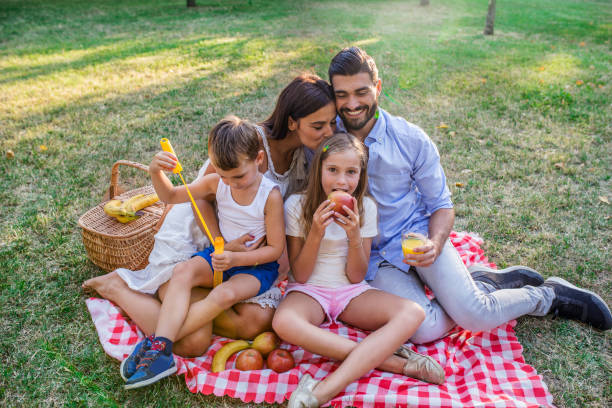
column 482, row 368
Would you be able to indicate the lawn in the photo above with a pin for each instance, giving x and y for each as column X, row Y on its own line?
column 522, row 120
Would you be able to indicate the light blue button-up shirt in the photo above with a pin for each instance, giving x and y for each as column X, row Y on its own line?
column 406, row 180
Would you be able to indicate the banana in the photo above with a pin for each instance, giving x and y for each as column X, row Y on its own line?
column 127, row 218
column 142, row 201
column 225, row 352
column 128, row 205
column 113, row 208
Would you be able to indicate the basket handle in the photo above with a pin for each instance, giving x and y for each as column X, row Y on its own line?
column 115, row 174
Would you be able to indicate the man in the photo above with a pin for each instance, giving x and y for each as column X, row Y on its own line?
column 409, row 185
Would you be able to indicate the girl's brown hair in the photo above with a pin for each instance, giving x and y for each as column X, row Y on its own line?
column 314, row 194
column 231, row 140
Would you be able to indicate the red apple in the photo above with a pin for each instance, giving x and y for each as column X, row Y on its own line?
column 249, row 359
column 341, row 198
column 280, row 360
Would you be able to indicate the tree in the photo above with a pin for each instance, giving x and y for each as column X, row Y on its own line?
column 191, row 3
column 424, row 2
column 488, row 30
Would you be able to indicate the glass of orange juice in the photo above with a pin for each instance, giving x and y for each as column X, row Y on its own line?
column 411, row 240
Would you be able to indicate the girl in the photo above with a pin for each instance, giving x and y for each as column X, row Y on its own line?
column 328, row 254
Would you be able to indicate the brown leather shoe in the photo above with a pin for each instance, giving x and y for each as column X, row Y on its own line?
column 302, row 396
column 426, row 368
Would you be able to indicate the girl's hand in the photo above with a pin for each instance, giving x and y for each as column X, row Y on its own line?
column 350, row 222
column 163, row 161
column 222, row 262
column 239, row 244
column 322, row 217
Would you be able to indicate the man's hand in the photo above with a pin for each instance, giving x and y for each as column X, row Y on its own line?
column 239, row 244
column 427, row 256
column 222, row 262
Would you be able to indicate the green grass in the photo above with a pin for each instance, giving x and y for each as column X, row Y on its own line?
column 99, row 81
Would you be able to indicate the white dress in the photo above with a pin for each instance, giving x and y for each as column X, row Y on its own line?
column 180, row 237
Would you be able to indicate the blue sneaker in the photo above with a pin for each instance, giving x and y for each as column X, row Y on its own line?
column 128, row 365
column 154, row 365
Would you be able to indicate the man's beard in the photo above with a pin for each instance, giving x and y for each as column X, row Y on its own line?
column 356, row 123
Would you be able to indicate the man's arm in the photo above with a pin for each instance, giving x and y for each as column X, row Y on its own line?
column 440, row 225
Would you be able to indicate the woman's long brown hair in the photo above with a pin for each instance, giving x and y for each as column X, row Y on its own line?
column 314, row 194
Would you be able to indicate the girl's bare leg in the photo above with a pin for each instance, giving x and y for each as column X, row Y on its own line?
column 394, row 320
column 297, row 321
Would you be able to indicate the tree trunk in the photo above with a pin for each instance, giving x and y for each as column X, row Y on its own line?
column 424, row 2
column 191, row 3
column 488, row 30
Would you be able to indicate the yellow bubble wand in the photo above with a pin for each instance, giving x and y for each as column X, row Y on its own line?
column 218, row 242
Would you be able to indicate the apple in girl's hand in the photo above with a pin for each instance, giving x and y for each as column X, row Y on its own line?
column 341, row 198
column 280, row 360
column 249, row 359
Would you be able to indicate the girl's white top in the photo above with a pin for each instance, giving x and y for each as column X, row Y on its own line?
column 330, row 267
column 236, row 220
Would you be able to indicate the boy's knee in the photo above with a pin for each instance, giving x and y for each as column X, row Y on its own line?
column 182, row 273
column 224, row 296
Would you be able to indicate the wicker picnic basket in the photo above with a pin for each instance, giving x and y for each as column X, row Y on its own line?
column 111, row 244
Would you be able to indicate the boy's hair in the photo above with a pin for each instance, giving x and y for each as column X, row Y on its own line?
column 351, row 61
column 231, row 140
column 314, row 194
column 304, row 95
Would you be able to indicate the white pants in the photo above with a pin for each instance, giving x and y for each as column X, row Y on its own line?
column 459, row 300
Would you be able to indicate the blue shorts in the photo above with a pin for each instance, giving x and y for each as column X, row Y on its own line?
column 266, row 273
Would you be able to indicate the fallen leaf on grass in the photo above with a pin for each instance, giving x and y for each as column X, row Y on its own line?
column 466, row 171
column 542, row 68
column 452, row 133
column 604, row 199
column 579, row 82
column 458, row 184
column 442, row 125
column 42, row 148
column 483, row 80
column 10, row 154
column 559, row 165
column 582, row 43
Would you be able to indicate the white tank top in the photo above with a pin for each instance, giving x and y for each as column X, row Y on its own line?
column 294, row 178
column 235, row 219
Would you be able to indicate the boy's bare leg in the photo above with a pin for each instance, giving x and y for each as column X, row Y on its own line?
column 222, row 297
column 185, row 276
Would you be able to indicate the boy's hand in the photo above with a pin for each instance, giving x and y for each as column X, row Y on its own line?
column 322, row 217
column 350, row 222
column 239, row 244
column 163, row 161
column 222, row 262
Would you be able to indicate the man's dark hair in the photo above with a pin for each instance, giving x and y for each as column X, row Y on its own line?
column 352, row 61
column 231, row 140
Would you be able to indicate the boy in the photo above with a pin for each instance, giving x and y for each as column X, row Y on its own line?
column 246, row 202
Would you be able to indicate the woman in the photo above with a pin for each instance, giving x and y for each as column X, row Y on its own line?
column 304, row 116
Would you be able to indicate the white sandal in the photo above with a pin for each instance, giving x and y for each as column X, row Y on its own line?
column 302, row 396
column 426, row 368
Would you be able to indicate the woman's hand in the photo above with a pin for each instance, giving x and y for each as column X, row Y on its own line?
column 222, row 262
column 350, row 222
column 163, row 161
column 322, row 217
column 239, row 244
